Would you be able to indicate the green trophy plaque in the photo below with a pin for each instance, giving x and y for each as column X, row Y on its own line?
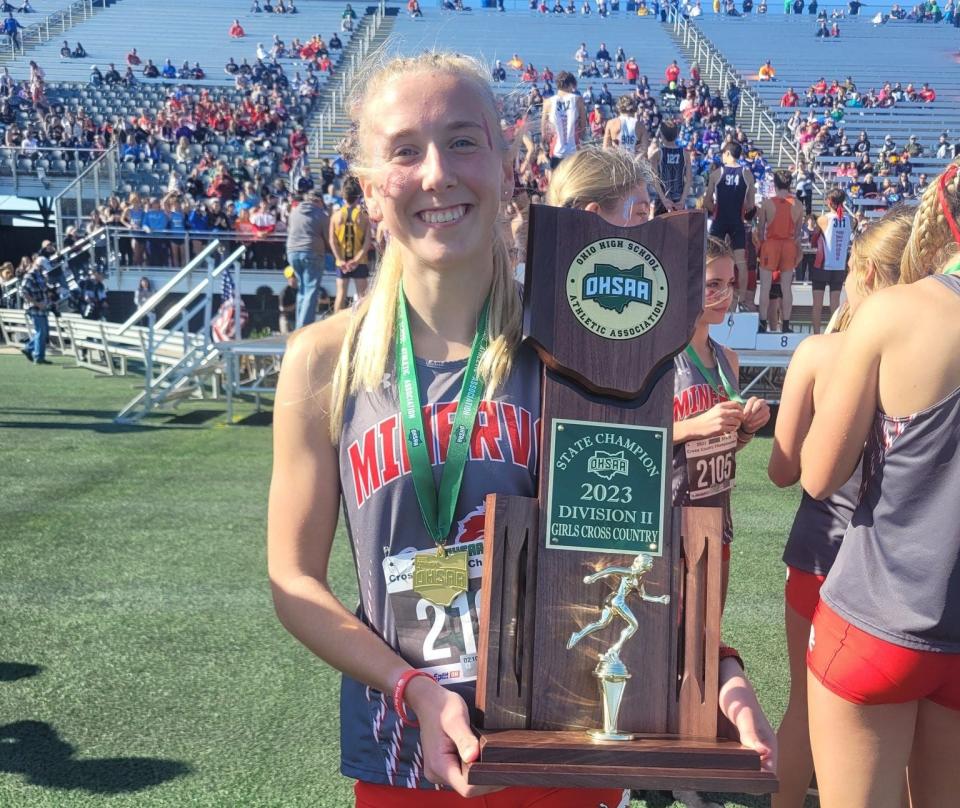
column 600, row 624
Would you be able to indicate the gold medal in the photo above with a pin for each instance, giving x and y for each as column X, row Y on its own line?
column 440, row 578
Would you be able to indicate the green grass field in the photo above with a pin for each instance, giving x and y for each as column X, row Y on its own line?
column 140, row 660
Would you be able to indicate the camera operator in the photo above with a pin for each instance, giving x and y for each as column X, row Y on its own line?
column 94, row 306
column 36, row 294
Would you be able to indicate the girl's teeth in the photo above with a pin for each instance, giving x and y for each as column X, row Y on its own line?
column 441, row 217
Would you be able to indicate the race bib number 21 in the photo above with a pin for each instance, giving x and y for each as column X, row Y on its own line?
column 438, row 640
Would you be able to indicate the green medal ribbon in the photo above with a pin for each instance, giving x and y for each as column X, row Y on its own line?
column 731, row 393
column 953, row 268
column 437, row 507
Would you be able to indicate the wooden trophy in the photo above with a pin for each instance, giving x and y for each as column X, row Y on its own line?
column 599, row 633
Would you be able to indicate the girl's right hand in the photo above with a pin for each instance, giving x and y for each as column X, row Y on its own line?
column 719, row 419
column 447, row 740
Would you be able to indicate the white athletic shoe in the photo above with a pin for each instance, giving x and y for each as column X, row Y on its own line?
column 693, row 800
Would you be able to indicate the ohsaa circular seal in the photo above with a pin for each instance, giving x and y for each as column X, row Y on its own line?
column 617, row 288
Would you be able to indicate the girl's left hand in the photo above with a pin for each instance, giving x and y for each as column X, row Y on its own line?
column 738, row 702
column 756, row 413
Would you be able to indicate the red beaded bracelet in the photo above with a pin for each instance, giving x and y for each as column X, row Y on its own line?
column 399, row 689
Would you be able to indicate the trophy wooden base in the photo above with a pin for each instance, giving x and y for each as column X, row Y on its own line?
column 570, row 759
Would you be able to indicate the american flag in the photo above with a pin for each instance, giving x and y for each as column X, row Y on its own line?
column 222, row 325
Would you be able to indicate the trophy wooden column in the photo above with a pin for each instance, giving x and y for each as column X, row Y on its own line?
column 607, row 309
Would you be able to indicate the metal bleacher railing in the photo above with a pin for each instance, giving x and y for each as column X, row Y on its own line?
column 340, row 86
column 715, row 67
column 49, row 27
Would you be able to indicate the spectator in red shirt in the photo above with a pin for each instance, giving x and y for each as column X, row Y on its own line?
column 631, row 70
column 236, row 30
column 672, row 72
column 324, row 64
column 298, row 140
column 133, row 59
column 789, row 98
column 223, row 185
column 596, row 121
column 927, row 94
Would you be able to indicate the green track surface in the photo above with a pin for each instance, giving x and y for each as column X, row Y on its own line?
column 141, row 663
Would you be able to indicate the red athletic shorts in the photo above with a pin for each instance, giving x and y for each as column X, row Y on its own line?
column 864, row 669
column 375, row 796
column 802, row 591
column 779, row 254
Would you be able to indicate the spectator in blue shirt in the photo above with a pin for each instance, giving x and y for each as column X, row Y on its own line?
column 169, row 71
column 131, row 151
column 155, row 221
column 11, row 27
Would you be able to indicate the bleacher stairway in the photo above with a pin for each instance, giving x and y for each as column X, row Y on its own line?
column 330, row 122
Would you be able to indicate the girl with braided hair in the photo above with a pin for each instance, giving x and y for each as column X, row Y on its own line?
column 883, row 654
column 819, row 525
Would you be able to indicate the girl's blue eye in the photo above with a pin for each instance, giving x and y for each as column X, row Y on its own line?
column 462, row 142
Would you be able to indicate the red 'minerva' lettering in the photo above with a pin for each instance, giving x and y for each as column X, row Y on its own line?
column 694, row 400
column 388, row 436
column 363, row 463
column 485, row 442
column 519, row 433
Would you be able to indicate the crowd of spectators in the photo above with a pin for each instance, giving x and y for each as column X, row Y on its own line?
column 265, row 106
column 869, row 172
column 706, row 120
column 839, row 95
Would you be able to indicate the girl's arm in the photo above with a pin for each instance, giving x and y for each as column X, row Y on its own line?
column 842, row 421
column 796, row 412
column 332, row 240
column 303, row 510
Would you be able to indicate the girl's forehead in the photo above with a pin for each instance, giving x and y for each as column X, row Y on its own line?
column 425, row 100
column 720, row 268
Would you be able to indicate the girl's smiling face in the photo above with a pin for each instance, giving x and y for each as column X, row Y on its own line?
column 438, row 167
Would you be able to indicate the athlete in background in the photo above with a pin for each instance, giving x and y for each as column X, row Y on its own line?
column 563, row 123
column 836, row 226
column 819, row 525
column 672, row 165
column 884, row 653
column 626, row 131
column 778, row 234
column 728, row 196
column 711, row 420
column 349, row 243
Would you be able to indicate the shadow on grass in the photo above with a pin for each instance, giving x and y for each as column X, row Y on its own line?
column 34, row 750
column 14, row 671
column 194, row 417
column 262, row 418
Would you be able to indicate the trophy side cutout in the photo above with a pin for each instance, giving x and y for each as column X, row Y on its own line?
column 607, row 309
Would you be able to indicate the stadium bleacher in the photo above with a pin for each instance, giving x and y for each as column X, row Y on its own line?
column 543, row 40
column 900, row 51
column 178, row 30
